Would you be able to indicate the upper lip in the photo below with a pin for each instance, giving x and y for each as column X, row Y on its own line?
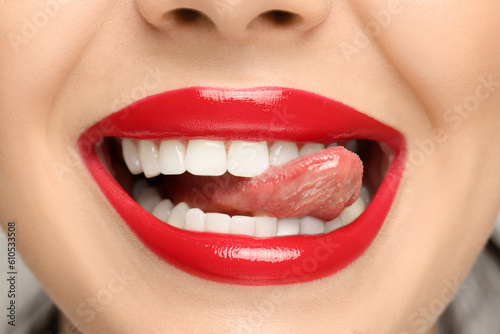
column 264, row 113
column 257, row 114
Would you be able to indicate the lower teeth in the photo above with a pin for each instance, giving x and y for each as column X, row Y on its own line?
column 194, row 219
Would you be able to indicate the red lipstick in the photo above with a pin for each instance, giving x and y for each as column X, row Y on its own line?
column 257, row 114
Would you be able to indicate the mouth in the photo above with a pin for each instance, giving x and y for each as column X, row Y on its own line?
column 257, row 186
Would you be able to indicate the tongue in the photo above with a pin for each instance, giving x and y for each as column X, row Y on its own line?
column 319, row 184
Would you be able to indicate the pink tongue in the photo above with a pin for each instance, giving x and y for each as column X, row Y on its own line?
column 319, row 184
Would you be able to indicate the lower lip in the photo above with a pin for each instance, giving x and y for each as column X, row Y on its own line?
column 241, row 259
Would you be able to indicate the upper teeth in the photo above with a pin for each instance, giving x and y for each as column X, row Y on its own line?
column 208, row 157
column 282, row 152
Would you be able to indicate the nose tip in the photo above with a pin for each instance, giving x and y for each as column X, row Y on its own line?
column 235, row 19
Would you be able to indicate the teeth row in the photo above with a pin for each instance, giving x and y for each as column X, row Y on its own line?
column 184, row 217
column 211, row 158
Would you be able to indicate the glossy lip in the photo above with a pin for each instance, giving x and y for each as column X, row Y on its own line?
column 263, row 114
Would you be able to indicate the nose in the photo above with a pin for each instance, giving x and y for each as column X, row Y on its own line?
column 235, row 19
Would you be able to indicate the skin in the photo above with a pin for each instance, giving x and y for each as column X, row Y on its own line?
column 91, row 57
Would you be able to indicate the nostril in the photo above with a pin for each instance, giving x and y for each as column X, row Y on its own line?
column 188, row 16
column 236, row 19
column 280, row 17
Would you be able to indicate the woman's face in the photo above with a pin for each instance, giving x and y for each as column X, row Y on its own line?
column 429, row 69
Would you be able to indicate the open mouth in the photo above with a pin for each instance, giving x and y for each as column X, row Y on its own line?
column 256, row 189
column 258, row 186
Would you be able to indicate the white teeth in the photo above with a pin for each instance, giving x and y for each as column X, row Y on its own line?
column 195, row 220
column 266, row 227
column 333, row 225
column 243, row 225
column 148, row 154
column 288, row 226
column 352, row 212
column 181, row 216
column 282, row 152
column 243, row 159
column 149, row 199
column 311, row 148
column 131, row 156
column 311, row 226
column 172, row 157
column 162, row 210
column 247, row 159
column 217, row 223
column 332, row 145
column 178, row 215
column 206, row 157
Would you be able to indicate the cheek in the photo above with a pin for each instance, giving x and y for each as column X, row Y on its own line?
column 42, row 43
column 441, row 49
